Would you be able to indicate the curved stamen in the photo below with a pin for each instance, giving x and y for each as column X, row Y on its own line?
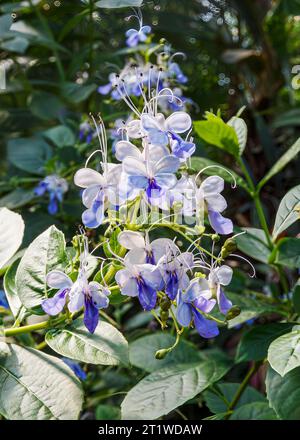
column 247, row 261
column 222, row 168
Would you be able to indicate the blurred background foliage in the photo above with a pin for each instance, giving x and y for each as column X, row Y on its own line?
column 55, row 54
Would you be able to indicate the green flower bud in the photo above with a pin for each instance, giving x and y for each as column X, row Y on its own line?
column 164, row 315
column 161, row 354
column 228, row 247
column 233, row 312
column 165, row 304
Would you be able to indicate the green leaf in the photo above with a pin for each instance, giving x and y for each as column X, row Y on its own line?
column 254, row 344
column 107, row 346
column 16, row 44
column 11, row 234
column 254, row 244
column 216, row 132
column 283, row 393
column 288, row 252
column 166, row 389
column 45, row 253
column 36, row 386
column 198, row 163
column 45, row 106
column 289, row 118
column 218, row 404
column 284, row 353
column 240, row 127
column 296, row 297
column 289, row 155
column 142, row 352
column 251, row 308
column 61, row 136
column 29, row 154
column 107, row 412
column 9, row 284
column 288, row 211
column 254, row 411
column 118, row 3
column 17, row 198
column 77, row 93
column 5, row 24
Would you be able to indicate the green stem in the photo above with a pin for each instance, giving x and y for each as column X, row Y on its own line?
column 255, row 195
column 242, row 388
column 14, row 331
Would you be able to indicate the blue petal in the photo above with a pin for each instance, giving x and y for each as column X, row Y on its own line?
column 205, row 327
column 105, row 89
column 172, row 285
column 53, row 206
column 40, row 189
column 220, row 224
column 75, row 367
column 53, row 306
column 138, row 181
column 224, row 303
column 158, row 137
column 184, row 313
column 147, row 295
column 3, row 300
column 91, row 315
column 153, row 189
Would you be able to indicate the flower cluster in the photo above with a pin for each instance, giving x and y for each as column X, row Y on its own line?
column 56, row 187
column 151, row 173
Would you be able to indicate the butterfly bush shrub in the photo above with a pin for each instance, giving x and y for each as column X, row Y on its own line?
column 156, row 239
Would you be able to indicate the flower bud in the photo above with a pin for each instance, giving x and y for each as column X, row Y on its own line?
column 233, row 312
column 228, row 247
column 165, row 304
column 161, row 354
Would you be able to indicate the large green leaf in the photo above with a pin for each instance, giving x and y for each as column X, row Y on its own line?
column 288, row 252
column 288, row 211
column 289, row 155
column 11, row 234
column 36, row 386
column 284, row 353
column 142, row 352
column 240, row 127
column 255, row 342
column 198, row 163
column 107, row 346
column 251, row 308
column 77, row 93
column 284, row 393
column 118, row 3
column 166, row 389
column 254, row 244
column 216, row 132
column 254, row 411
column 45, row 253
column 61, row 136
column 220, row 403
column 17, row 198
column 46, row 106
column 29, row 154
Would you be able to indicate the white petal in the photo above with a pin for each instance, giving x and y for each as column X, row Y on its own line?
column 122, row 276
column 58, row 280
column 130, row 288
column 224, row 274
column 149, row 122
column 125, row 149
column 86, row 177
column 134, row 129
column 161, row 246
column 212, row 185
column 131, row 239
column 89, row 195
column 134, row 167
column 186, row 259
column 216, row 202
column 167, row 164
column 136, row 256
column 76, row 302
column 179, row 122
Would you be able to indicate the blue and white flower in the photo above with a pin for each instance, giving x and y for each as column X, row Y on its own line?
column 196, row 298
column 135, row 36
column 56, row 187
column 92, row 296
column 141, row 280
column 173, row 267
